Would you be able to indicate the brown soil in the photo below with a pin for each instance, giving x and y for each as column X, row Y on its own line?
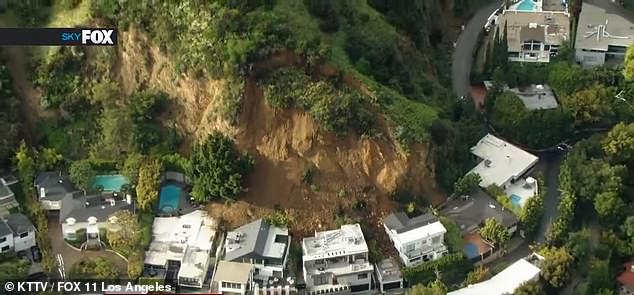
column 285, row 144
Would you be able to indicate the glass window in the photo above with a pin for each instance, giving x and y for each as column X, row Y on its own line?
column 4, row 249
column 435, row 240
column 3, row 239
column 409, row 247
column 362, row 276
column 24, row 234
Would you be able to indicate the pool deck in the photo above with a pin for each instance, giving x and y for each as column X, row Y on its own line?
column 476, row 240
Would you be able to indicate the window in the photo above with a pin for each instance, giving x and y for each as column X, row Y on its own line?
column 362, row 276
column 24, row 234
column 409, row 247
column 3, row 239
column 4, row 249
column 277, row 274
column 435, row 240
column 71, row 236
column 320, row 280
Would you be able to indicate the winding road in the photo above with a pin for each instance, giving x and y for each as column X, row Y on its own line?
column 466, row 45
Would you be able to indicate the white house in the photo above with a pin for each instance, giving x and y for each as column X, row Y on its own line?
column 534, row 36
column 89, row 213
column 501, row 163
column 416, row 239
column 7, row 198
column 261, row 244
column 233, row 278
column 183, row 245
column 17, row 233
column 603, row 36
column 337, row 261
column 505, row 282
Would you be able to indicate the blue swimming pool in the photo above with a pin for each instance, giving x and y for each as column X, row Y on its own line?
column 471, row 250
column 515, row 200
column 109, row 183
column 526, row 5
column 169, row 198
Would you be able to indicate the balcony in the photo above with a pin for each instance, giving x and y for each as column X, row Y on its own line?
column 426, row 250
column 339, row 268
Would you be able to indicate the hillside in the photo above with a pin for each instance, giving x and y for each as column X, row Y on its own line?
column 336, row 101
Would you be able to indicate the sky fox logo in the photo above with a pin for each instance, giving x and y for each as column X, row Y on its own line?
column 91, row 37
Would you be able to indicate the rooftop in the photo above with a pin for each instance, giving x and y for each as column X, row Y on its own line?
column 536, row 97
column 257, row 239
column 187, row 238
column 410, row 229
column 5, row 191
column 599, row 28
column 389, row 270
column 333, row 243
column 98, row 206
column 549, row 27
column 626, row 278
column 5, row 230
column 471, row 211
column 506, row 281
column 501, row 161
column 19, row 223
column 56, row 185
column 234, row 272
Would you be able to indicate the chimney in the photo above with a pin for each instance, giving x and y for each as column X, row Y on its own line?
column 42, row 193
column 112, row 202
column 128, row 199
column 508, row 158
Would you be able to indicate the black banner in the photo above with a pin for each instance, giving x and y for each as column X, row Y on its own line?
column 58, row 36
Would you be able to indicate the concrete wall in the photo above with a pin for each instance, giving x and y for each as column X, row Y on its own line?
column 24, row 243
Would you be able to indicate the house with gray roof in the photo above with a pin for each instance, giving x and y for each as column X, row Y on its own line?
column 52, row 187
column 417, row 239
column 259, row 243
column 603, row 35
column 90, row 212
column 469, row 212
column 7, row 198
column 17, row 233
column 388, row 275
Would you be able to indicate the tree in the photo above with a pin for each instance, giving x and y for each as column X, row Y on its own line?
column 532, row 211
column 578, row 244
column 556, row 266
column 82, row 174
column 590, row 105
column 48, row 158
column 628, row 227
column 566, row 78
column 529, row 288
column 494, row 232
column 600, row 276
column 628, row 64
column 453, row 237
column 218, row 171
column 14, row 269
column 609, row 206
column 467, row 184
column 135, row 265
column 130, row 168
column 94, row 268
column 433, row 288
column 123, row 231
column 147, row 190
column 477, row 275
column 25, row 162
column 619, row 143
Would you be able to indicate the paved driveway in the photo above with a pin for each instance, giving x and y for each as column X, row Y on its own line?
column 551, row 199
column 71, row 256
column 466, row 44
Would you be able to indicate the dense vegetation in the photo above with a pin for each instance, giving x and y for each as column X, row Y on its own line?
column 9, row 120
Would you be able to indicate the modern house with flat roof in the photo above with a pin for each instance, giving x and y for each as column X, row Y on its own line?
column 261, row 244
column 505, row 282
column 388, row 275
column 7, row 198
column 534, row 36
column 52, row 187
column 534, row 96
column 501, row 162
column 181, row 247
column 603, row 35
column 416, row 239
column 233, row 278
column 90, row 213
column 17, row 233
column 337, row 261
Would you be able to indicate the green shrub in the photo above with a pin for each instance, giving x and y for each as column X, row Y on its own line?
column 454, row 268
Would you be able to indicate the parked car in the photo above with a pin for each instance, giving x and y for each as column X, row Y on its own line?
column 37, row 256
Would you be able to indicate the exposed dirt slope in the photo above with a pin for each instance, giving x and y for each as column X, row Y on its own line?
column 347, row 169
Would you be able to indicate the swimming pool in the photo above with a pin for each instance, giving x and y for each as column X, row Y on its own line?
column 471, row 250
column 109, row 183
column 515, row 200
column 526, row 5
column 169, row 198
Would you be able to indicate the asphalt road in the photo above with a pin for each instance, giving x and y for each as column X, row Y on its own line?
column 466, row 45
column 551, row 199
